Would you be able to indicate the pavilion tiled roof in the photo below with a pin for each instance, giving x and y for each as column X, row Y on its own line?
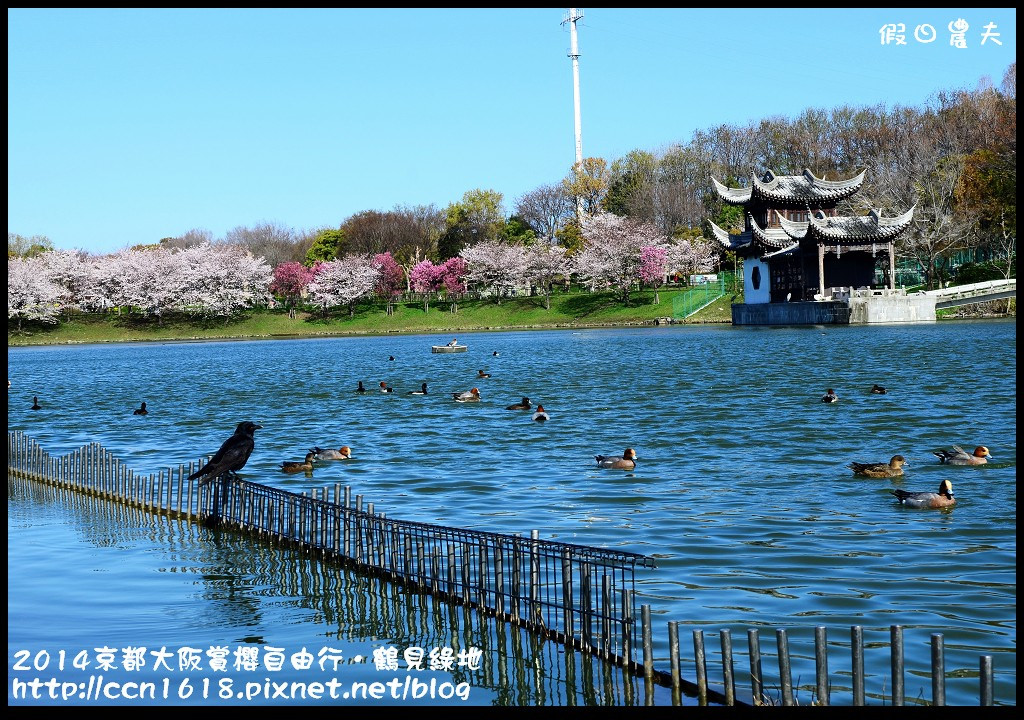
column 729, row 241
column 864, row 228
column 770, row 238
column 804, row 189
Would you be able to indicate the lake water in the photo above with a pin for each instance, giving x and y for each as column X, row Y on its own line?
column 741, row 493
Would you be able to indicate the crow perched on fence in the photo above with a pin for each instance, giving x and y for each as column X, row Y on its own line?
column 232, row 456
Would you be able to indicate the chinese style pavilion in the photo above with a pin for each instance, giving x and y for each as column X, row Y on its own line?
column 796, row 248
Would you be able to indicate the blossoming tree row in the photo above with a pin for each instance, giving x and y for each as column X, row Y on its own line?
column 217, row 281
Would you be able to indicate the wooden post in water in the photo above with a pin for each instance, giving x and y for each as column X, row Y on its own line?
column 536, row 615
column 857, row 652
column 516, row 591
column 627, row 627
column 420, row 566
column 700, row 661
column 499, row 580
column 435, row 570
column 985, row 672
column 938, row 671
column 567, row 614
column 821, row 664
column 452, row 585
column 586, row 609
column 756, row 686
column 191, row 484
column 482, row 579
column 727, row 667
column 467, row 550
column 606, row 616
column 673, row 654
column 896, row 656
column 645, row 625
column 785, row 674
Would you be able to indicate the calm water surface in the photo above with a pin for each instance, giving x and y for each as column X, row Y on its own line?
column 741, row 495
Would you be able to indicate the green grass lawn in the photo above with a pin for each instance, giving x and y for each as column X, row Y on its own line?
column 567, row 310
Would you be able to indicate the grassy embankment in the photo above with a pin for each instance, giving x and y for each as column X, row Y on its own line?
column 567, row 311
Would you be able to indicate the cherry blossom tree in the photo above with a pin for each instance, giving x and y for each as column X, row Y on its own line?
column 391, row 279
column 652, row 268
column 687, row 256
column 545, row 263
column 31, row 293
column 69, row 270
column 290, row 281
column 495, row 265
column 424, row 279
column 155, row 281
column 221, row 280
column 451, row 277
column 343, row 282
column 113, row 277
column 610, row 256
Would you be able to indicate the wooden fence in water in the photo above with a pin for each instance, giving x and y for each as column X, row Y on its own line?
column 582, row 597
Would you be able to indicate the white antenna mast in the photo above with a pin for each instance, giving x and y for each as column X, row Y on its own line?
column 574, row 53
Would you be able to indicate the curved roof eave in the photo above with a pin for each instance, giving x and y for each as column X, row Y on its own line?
column 733, row 196
column 806, row 188
column 796, row 230
column 783, row 251
column 865, row 228
column 771, row 239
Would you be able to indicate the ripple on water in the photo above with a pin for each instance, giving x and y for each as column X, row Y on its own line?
column 742, row 489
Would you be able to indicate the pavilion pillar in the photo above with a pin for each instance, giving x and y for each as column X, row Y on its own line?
column 892, row 265
column 821, row 268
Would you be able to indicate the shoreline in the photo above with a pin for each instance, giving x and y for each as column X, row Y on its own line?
column 365, row 333
column 432, row 331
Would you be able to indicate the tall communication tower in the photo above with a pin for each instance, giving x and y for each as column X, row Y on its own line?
column 574, row 52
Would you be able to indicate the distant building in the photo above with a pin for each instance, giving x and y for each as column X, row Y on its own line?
column 796, row 249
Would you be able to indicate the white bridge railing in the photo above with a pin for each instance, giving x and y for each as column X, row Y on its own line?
column 975, row 292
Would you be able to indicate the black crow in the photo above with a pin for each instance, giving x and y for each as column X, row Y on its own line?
column 232, row 456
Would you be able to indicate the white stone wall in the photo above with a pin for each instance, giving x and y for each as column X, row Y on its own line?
column 762, row 294
column 892, row 309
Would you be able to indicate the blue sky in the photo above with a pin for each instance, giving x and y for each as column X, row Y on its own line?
column 126, row 126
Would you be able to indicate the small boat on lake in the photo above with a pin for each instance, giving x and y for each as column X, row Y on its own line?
column 448, row 348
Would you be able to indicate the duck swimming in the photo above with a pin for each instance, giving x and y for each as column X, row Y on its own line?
column 626, row 462
column 893, row 468
column 830, row 396
column 467, row 396
column 141, row 411
column 540, row 415
column 360, row 389
column 421, row 391
column 345, row 453
column 877, row 390
column 297, row 467
column 385, row 388
column 482, row 374
column 958, row 456
column 942, row 498
column 524, row 404
column 35, row 404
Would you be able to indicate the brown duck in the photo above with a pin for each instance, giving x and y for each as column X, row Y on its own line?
column 297, row 467
column 893, row 468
